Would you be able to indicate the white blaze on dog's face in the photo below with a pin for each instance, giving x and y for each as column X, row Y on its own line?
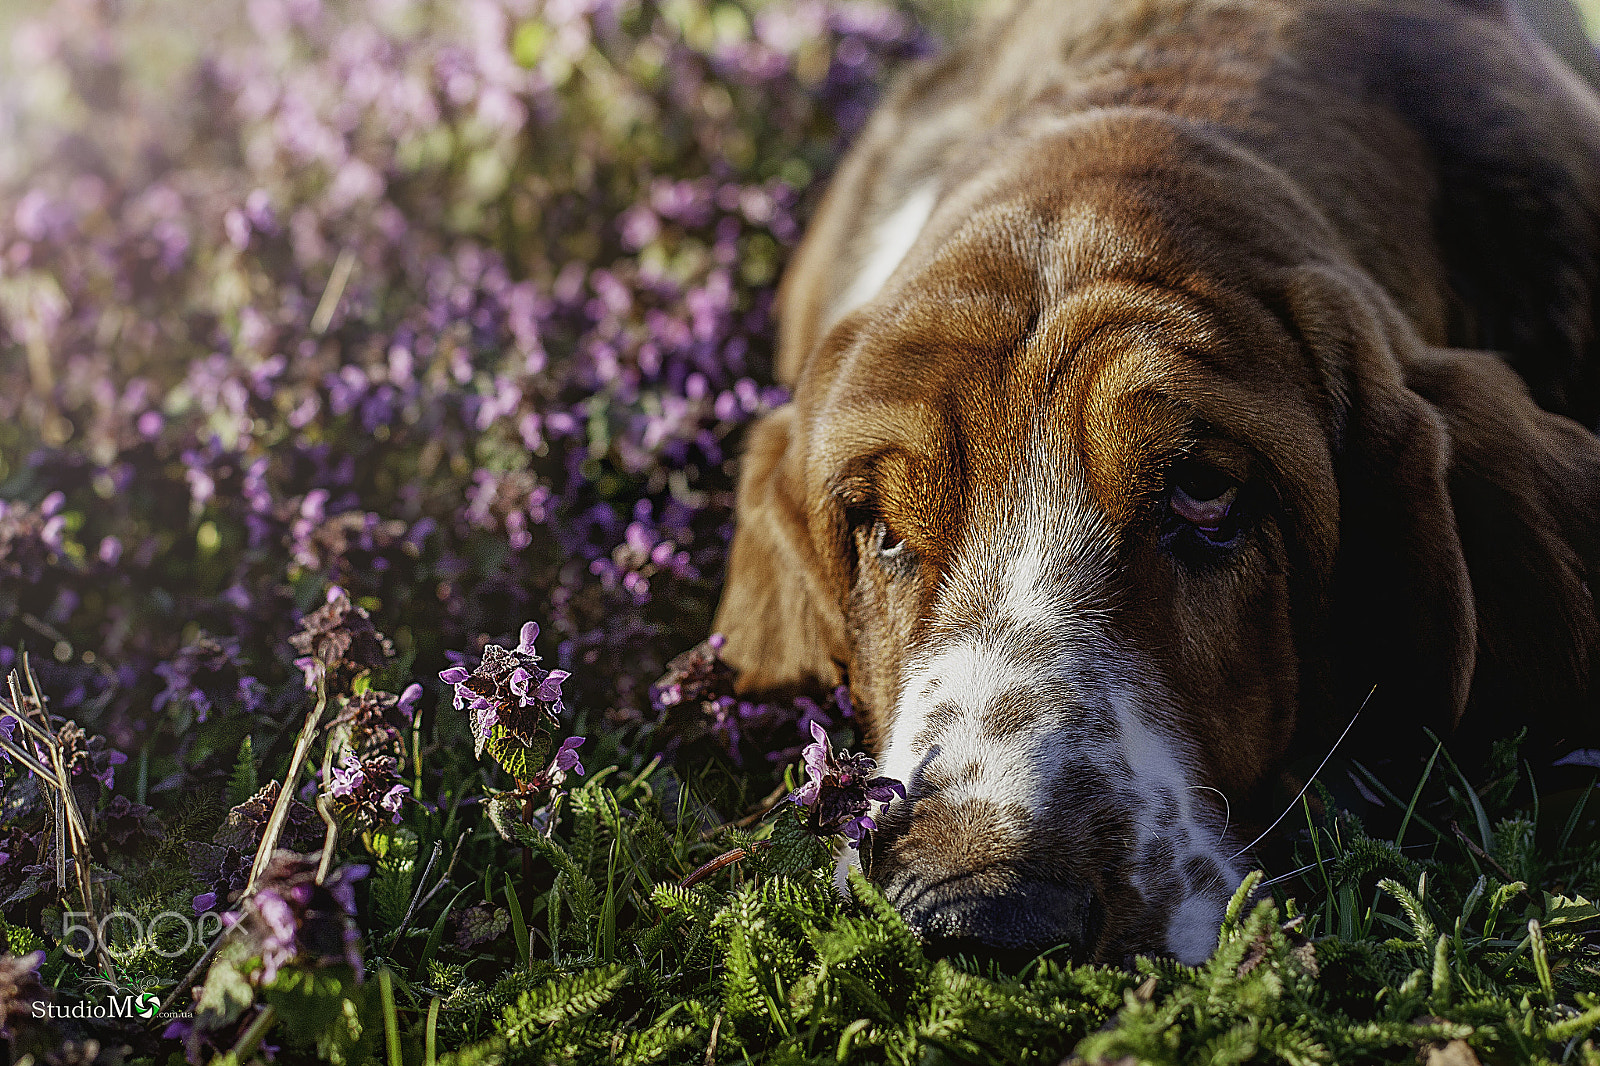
column 1020, row 706
column 1068, row 611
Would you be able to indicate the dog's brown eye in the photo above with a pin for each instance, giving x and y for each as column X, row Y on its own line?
column 1204, row 496
column 886, row 545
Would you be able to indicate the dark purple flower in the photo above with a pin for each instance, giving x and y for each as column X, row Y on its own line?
column 206, row 673
column 222, row 869
column 840, row 790
column 367, row 790
column 245, row 823
column 294, row 919
column 377, row 722
column 341, row 637
column 698, row 674
column 86, row 754
column 124, row 820
column 509, row 690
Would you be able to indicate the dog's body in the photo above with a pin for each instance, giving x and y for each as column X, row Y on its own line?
column 1145, row 419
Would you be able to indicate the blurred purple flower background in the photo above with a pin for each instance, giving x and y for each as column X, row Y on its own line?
column 459, row 306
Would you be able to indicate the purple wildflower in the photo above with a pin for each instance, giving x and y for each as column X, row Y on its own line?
column 294, row 919
column 86, row 754
column 377, row 722
column 339, row 636
column 223, row 870
column 698, row 674
column 566, row 757
column 245, row 823
column 367, row 791
column 206, row 673
column 509, row 690
column 123, row 821
column 840, row 790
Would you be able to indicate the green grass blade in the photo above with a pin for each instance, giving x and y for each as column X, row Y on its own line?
column 1577, row 813
column 1416, row 794
column 519, row 928
column 391, row 1020
column 1485, row 830
column 430, row 1053
column 436, row 935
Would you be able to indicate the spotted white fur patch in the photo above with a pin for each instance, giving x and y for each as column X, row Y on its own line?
column 891, row 240
column 1192, row 931
column 1163, row 787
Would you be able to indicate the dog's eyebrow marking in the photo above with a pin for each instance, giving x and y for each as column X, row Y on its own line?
column 891, row 239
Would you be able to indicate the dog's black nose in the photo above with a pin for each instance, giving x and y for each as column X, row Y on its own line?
column 995, row 915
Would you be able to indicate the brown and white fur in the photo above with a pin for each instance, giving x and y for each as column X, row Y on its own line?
column 1167, row 375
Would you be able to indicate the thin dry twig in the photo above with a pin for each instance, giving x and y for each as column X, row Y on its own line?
column 445, row 878
column 1477, row 849
column 77, row 832
column 325, row 809
column 280, row 810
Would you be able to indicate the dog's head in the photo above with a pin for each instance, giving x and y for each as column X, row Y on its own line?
column 1103, row 499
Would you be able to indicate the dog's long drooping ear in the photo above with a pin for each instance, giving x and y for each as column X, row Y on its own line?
column 1401, row 617
column 1526, row 488
column 1470, row 531
column 783, row 624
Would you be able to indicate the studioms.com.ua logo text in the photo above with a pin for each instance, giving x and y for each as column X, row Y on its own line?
column 143, row 1006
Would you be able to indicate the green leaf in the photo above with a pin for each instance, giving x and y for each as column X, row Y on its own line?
column 391, row 889
column 310, row 997
column 1421, row 924
column 242, row 785
column 226, row 991
column 436, row 935
column 561, row 1000
column 521, row 761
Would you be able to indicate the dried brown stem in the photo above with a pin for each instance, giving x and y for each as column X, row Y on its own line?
column 77, row 831
column 727, row 858
column 280, row 810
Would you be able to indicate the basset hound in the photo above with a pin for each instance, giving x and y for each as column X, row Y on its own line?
column 1167, row 376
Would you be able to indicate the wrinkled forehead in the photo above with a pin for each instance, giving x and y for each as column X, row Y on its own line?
column 1096, row 397
column 1028, row 345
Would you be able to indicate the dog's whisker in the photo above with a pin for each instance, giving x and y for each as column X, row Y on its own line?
column 1310, row 779
column 1284, row 877
column 1227, row 809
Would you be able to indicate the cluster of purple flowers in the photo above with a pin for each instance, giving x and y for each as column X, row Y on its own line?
column 302, row 920
column 509, row 690
column 515, row 704
column 376, row 722
column 206, row 674
column 840, row 789
column 368, row 790
column 339, row 641
column 267, row 334
column 696, row 699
